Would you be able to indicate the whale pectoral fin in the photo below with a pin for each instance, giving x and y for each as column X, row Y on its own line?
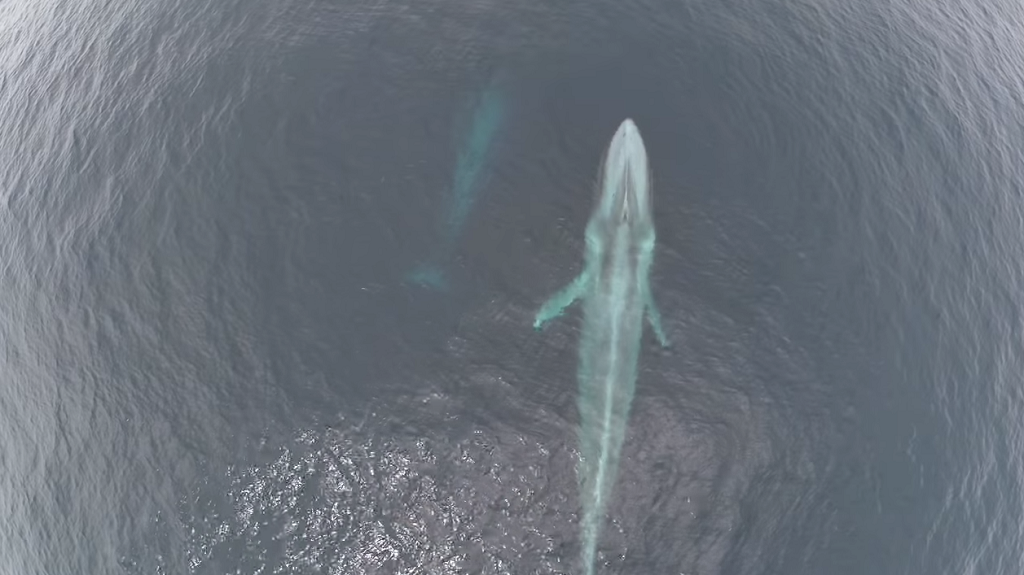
column 654, row 318
column 561, row 300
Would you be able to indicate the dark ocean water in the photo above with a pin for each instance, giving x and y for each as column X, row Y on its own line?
column 210, row 361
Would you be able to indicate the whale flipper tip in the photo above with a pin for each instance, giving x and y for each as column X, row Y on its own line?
column 429, row 276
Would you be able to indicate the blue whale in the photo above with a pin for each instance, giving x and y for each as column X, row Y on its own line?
column 470, row 167
column 615, row 290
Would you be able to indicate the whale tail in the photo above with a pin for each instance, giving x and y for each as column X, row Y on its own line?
column 429, row 276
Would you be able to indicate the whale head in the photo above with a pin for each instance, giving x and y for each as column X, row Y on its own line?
column 624, row 201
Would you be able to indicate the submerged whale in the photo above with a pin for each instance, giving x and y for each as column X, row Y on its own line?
column 470, row 168
column 615, row 290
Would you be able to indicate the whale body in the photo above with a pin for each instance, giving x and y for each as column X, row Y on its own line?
column 470, row 168
column 614, row 288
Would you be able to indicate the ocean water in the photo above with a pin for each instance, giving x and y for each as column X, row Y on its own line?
column 211, row 362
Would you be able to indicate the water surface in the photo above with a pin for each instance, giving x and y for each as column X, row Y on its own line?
column 210, row 361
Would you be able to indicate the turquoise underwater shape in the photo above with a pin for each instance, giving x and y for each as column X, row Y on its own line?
column 468, row 181
column 614, row 288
